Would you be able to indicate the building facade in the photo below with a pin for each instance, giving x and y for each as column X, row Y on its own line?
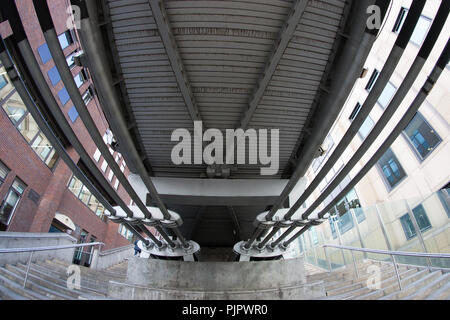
column 38, row 192
column 408, row 189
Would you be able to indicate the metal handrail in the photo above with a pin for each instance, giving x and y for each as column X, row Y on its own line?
column 387, row 252
column 48, row 248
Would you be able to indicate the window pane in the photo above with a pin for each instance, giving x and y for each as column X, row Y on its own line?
column 421, row 218
column 400, row 20
column 78, row 80
column 366, row 127
column 408, row 227
column 65, row 39
column 3, row 82
column 387, row 95
column 45, row 54
column 3, row 172
column 42, row 146
column 104, row 166
column 75, row 186
column 8, row 207
column 19, row 186
column 70, row 60
column 84, row 195
column 93, row 203
column 422, row 136
column 100, row 210
column 52, row 158
column 391, row 168
column 73, row 114
column 28, row 128
column 14, row 108
column 54, row 76
column 97, row 155
column 63, row 96
column 421, row 30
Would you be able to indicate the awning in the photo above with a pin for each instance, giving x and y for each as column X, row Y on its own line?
column 65, row 220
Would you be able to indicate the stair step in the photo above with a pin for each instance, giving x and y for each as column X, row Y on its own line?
column 412, row 287
column 394, row 287
column 33, row 285
column 49, row 275
column 8, row 294
column 19, row 289
column 430, row 288
column 46, row 283
column 441, row 294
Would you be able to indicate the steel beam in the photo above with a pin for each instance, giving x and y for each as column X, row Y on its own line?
column 163, row 24
column 285, row 36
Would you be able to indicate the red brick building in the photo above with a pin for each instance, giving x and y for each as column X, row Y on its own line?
column 37, row 191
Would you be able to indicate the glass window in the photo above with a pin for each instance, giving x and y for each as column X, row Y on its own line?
column 355, row 111
column 333, row 228
column 70, row 60
column 366, row 127
column 359, row 214
column 87, row 96
column 422, row 221
column 42, row 146
column 100, row 210
column 84, row 195
column 54, row 76
column 73, row 114
column 373, row 79
column 93, row 203
column 3, row 82
column 78, row 80
column 104, row 166
column 75, row 186
column 63, row 96
column 65, row 39
column 345, row 223
column 28, row 128
column 400, row 20
column 110, row 175
column 421, row 30
column 97, row 155
column 386, row 95
column 116, row 184
column 44, row 53
column 14, row 108
column 3, row 172
column 392, row 169
column 51, row 159
column 10, row 202
column 422, row 136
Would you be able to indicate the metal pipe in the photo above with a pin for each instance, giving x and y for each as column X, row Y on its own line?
column 282, row 236
column 165, row 236
column 268, row 237
column 399, row 96
column 92, row 42
column 295, row 236
column 28, row 269
column 408, row 116
column 396, row 272
column 386, row 73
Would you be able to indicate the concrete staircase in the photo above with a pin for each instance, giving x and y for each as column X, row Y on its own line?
column 47, row 280
column 418, row 283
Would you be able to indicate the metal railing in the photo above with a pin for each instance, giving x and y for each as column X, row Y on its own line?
column 32, row 250
column 386, row 252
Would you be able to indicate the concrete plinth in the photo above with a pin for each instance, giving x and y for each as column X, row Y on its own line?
column 159, row 280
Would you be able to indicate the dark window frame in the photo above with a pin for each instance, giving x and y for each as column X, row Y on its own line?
column 372, row 80
column 385, row 179
column 411, row 144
